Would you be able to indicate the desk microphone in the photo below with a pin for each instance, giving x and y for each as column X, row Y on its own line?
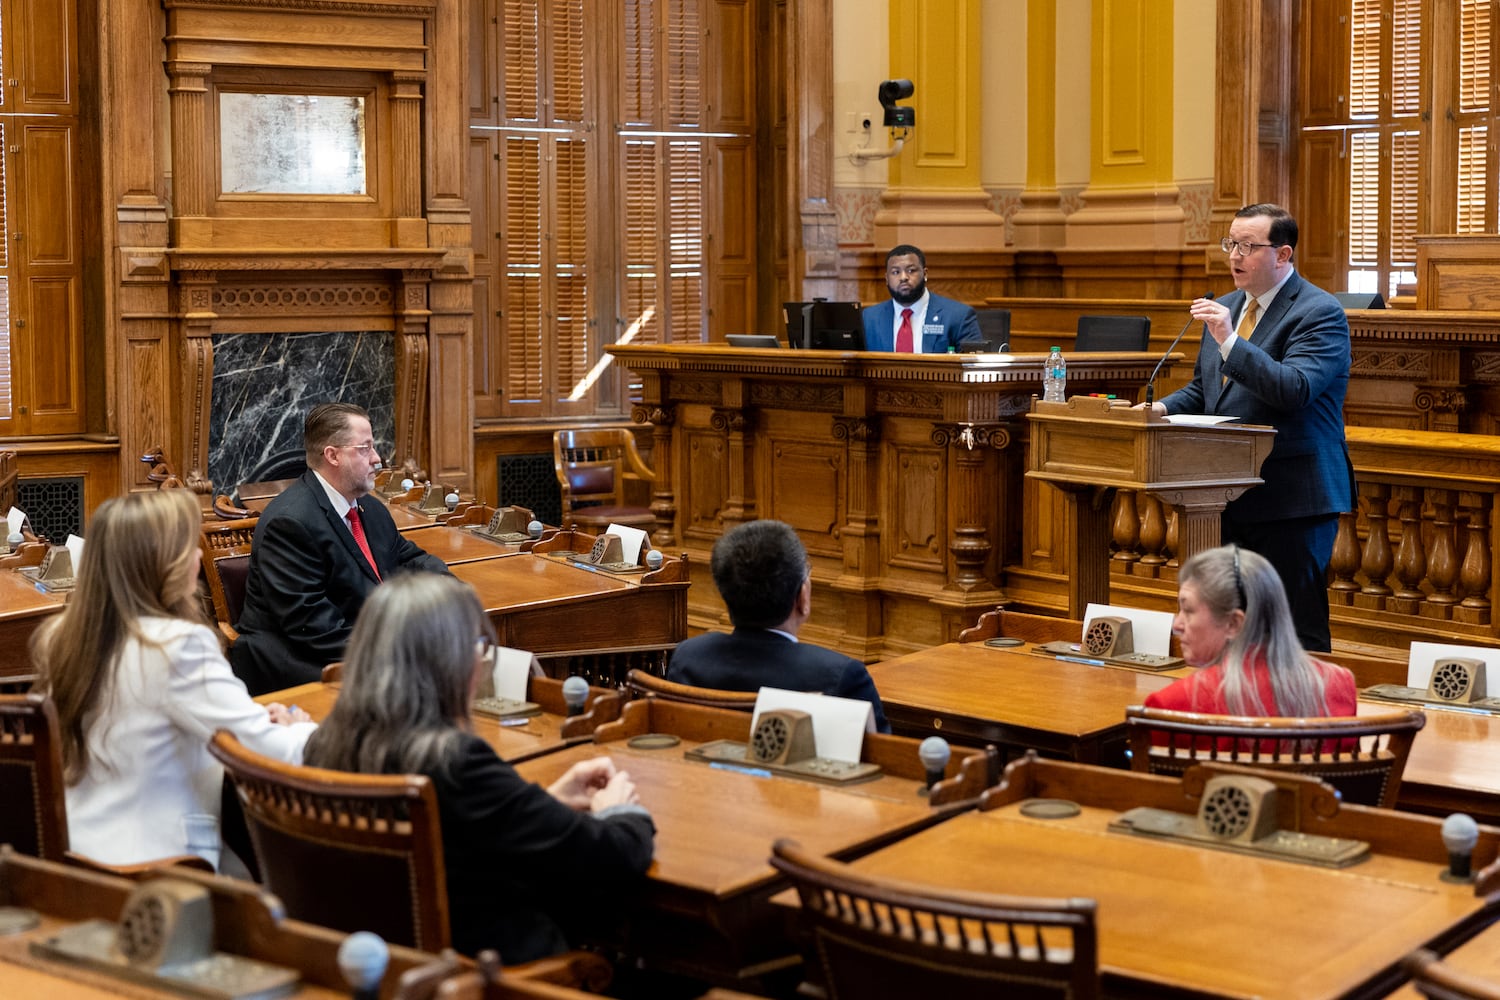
column 362, row 959
column 1460, row 834
column 575, row 693
column 1151, row 382
column 535, row 529
column 934, row 753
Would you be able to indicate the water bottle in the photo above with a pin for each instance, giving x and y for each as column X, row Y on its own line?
column 1055, row 377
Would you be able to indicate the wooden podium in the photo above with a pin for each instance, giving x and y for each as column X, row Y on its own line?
column 1089, row 447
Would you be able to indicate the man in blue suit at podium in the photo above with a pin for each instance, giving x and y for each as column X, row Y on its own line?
column 913, row 320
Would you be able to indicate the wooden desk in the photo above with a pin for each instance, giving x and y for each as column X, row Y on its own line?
column 537, row 735
column 1454, row 764
column 455, row 545
column 902, row 474
column 1175, row 917
column 547, row 605
column 709, row 885
column 22, row 609
column 977, row 694
column 247, row 922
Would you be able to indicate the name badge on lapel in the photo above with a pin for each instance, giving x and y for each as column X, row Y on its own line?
column 932, row 329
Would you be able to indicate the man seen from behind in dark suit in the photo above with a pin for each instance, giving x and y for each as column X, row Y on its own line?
column 762, row 572
column 320, row 548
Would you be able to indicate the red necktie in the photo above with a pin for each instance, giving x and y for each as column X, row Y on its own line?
column 359, row 538
column 903, row 335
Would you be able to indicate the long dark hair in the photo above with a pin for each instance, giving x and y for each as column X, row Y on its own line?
column 408, row 679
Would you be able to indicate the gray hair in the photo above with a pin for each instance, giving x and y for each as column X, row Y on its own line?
column 408, row 677
column 1230, row 578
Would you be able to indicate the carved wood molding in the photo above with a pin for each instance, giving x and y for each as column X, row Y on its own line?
column 858, row 430
column 803, row 396
column 728, row 421
column 418, row 8
column 974, row 436
column 690, row 390
column 1393, row 364
column 909, row 401
column 658, row 416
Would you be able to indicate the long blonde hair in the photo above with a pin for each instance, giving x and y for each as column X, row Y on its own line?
column 137, row 563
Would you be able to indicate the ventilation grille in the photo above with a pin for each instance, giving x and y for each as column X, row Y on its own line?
column 530, row 481
column 54, row 506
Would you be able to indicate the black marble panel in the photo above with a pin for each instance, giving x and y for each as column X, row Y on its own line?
column 264, row 384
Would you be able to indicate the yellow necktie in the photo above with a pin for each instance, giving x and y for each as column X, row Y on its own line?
column 1246, row 328
column 1247, row 319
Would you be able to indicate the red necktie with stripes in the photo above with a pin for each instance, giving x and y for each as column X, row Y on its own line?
column 356, row 526
column 903, row 335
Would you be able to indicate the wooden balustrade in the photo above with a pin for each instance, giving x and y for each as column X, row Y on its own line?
column 1415, row 562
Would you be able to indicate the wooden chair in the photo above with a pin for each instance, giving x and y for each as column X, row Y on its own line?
column 348, row 851
column 1433, row 978
column 1362, row 756
column 640, row 684
column 1112, row 333
column 17, row 683
column 362, row 852
column 33, row 813
column 226, row 567
column 873, row 936
column 593, row 468
column 33, row 804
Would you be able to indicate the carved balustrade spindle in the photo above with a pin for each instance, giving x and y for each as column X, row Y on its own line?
column 1345, row 562
column 1411, row 556
column 1126, row 529
column 1377, row 561
column 1474, row 576
column 1153, row 533
column 1443, row 558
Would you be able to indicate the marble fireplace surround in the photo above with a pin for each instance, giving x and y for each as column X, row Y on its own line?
column 292, row 338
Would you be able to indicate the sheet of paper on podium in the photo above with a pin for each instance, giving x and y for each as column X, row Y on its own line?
column 839, row 724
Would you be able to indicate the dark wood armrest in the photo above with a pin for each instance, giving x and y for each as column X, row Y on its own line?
column 580, row 969
column 141, row 869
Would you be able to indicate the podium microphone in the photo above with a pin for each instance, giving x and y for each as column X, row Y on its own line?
column 1151, row 382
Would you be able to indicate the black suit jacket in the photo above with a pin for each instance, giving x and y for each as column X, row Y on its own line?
column 307, row 582
column 749, row 659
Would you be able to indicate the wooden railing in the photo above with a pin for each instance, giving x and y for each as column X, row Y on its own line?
column 1415, row 562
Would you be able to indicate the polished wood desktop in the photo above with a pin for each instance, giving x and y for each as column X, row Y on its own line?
column 22, row 608
column 548, row 605
column 455, row 545
column 1179, row 919
column 514, row 740
column 710, row 881
column 978, row 694
column 1454, row 765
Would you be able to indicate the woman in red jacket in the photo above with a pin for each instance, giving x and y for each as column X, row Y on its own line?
column 1233, row 621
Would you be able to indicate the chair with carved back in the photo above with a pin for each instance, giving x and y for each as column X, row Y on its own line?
column 1434, row 978
column 640, row 684
column 594, row 469
column 1362, row 756
column 872, row 936
column 226, row 567
column 33, row 814
column 33, row 804
column 348, row 851
column 362, row 852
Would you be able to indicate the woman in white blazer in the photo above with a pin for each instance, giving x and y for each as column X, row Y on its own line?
column 141, row 684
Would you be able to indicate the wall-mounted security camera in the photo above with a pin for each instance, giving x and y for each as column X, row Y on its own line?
column 899, row 118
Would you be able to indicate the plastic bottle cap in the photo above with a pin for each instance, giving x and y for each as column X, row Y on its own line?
column 1056, row 348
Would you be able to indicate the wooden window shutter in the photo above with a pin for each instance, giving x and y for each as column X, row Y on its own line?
column 521, row 295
